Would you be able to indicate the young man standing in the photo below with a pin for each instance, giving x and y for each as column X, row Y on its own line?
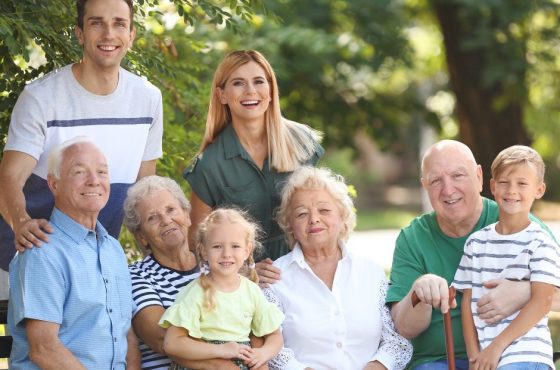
column 119, row 111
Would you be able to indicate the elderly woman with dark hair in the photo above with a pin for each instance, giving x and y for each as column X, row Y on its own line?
column 333, row 301
column 157, row 214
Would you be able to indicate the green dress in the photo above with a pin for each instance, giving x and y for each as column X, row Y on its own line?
column 225, row 175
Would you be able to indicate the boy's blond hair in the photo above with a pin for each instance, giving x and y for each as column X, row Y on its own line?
column 515, row 155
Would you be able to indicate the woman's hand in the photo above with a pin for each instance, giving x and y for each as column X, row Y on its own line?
column 268, row 273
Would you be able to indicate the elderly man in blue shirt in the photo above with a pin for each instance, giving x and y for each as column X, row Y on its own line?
column 70, row 300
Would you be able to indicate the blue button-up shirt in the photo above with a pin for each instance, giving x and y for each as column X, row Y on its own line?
column 80, row 281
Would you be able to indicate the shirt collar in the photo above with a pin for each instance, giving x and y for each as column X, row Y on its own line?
column 299, row 259
column 73, row 229
column 232, row 146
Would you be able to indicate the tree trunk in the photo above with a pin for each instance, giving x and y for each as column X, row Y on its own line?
column 490, row 113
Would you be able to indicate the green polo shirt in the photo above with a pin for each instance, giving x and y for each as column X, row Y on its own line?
column 225, row 175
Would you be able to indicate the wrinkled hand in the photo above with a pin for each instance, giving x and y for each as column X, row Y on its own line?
column 268, row 273
column 31, row 233
column 232, row 350
column 503, row 298
column 487, row 359
column 433, row 290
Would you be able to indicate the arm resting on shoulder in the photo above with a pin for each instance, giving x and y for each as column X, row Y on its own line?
column 199, row 211
column 15, row 169
column 147, row 168
column 46, row 350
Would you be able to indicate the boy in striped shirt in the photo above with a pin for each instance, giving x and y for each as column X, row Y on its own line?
column 514, row 248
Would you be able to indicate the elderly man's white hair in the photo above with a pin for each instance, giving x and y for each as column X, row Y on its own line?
column 446, row 145
column 57, row 154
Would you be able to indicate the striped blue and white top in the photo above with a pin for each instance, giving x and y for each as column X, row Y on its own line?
column 529, row 255
column 156, row 285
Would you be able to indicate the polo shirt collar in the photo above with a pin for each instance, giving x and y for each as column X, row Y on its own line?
column 232, row 145
column 298, row 258
column 73, row 229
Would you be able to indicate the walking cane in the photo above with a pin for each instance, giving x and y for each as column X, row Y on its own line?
column 447, row 328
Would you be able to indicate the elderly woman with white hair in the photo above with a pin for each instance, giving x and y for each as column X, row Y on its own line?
column 157, row 214
column 333, row 300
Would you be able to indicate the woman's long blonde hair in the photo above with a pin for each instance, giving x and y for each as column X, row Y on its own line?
column 289, row 143
column 219, row 217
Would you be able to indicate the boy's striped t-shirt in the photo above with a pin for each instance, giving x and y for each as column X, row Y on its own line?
column 530, row 255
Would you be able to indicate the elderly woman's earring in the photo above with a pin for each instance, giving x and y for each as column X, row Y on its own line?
column 204, row 268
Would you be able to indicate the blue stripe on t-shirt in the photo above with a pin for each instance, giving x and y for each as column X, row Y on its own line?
column 100, row 121
column 40, row 203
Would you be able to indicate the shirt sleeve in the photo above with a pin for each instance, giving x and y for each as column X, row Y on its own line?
column 185, row 312
column 144, row 293
column 153, row 149
column 42, row 291
column 199, row 181
column 394, row 351
column 267, row 317
column 544, row 262
column 26, row 132
column 463, row 277
column 286, row 358
column 406, row 268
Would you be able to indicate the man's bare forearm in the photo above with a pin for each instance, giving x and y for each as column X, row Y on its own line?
column 411, row 321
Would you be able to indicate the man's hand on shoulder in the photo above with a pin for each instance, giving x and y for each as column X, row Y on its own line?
column 434, row 291
column 31, row 232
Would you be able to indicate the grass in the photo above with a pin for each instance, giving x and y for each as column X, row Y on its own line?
column 383, row 219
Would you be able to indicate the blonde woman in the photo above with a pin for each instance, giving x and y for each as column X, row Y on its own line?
column 248, row 150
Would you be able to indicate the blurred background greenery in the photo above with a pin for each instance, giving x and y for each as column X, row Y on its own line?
column 381, row 78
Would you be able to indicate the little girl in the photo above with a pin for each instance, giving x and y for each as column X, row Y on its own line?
column 213, row 316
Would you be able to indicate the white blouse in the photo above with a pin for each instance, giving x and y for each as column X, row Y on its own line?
column 343, row 328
